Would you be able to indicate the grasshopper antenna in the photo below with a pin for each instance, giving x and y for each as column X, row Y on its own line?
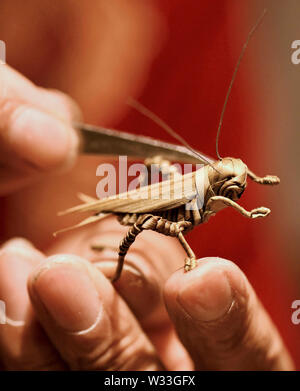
column 252, row 31
column 149, row 114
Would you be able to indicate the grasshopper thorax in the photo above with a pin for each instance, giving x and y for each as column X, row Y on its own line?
column 228, row 178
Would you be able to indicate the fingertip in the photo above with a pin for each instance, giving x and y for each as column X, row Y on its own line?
column 63, row 285
column 207, row 292
column 17, row 259
column 22, row 248
column 55, row 261
column 220, row 320
column 36, row 124
column 17, row 242
column 60, row 104
column 41, row 139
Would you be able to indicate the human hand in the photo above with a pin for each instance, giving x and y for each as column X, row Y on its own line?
column 74, row 318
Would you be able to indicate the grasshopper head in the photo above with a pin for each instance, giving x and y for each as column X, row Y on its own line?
column 229, row 179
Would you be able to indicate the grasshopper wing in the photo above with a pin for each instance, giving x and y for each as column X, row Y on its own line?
column 159, row 196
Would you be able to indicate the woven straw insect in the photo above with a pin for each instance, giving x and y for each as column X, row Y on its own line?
column 175, row 212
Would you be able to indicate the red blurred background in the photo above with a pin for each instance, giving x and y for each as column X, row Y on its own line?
column 177, row 58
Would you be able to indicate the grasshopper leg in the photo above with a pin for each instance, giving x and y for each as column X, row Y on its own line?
column 123, row 249
column 154, row 223
column 190, row 261
column 252, row 214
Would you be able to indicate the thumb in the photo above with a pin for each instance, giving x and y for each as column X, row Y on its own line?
column 220, row 320
column 36, row 133
column 86, row 320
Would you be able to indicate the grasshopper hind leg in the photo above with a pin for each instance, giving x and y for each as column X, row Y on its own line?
column 154, row 223
column 123, row 249
column 190, row 261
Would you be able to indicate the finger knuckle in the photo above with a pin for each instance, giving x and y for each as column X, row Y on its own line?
column 118, row 354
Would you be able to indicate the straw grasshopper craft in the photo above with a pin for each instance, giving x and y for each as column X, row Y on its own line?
column 173, row 212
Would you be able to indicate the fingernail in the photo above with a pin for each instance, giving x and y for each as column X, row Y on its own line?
column 69, row 296
column 41, row 139
column 208, row 296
